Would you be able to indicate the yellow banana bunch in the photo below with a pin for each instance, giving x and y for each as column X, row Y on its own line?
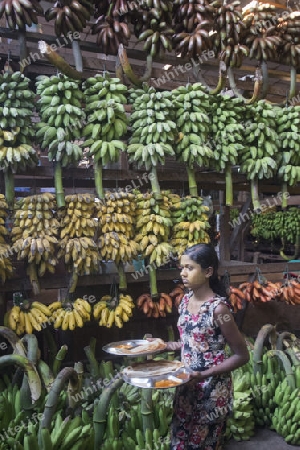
column 69, row 315
column 80, row 254
column 6, row 268
column 112, row 311
column 28, row 317
column 77, row 219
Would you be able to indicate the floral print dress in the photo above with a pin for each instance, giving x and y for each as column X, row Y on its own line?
column 201, row 408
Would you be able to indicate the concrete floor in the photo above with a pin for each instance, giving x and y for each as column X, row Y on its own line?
column 264, row 439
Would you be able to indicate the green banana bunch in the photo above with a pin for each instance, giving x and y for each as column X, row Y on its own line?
column 190, row 222
column 285, row 419
column 288, row 131
column 135, row 93
column 279, row 224
column 153, row 130
column 6, row 268
column 192, row 119
column 16, row 130
column 62, row 118
column 106, row 118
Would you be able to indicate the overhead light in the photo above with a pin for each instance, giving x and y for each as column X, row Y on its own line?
column 167, row 66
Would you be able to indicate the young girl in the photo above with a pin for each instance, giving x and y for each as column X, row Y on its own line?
column 205, row 325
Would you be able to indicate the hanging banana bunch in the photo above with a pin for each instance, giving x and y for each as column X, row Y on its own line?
column 106, row 123
column 27, row 316
column 34, row 235
column 114, row 309
column 77, row 245
column 192, row 121
column 190, row 222
column 20, row 13
column 116, row 218
column 6, row 268
column 62, row 120
column 227, row 128
column 154, row 132
column 68, row 315
column 260, row 156
column 111, row 26
column 289, row 28
column 69, row 16
column 194, row 20
column 16, row 130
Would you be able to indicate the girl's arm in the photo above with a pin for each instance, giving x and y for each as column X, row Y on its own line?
column 172, row 346
column 224, row 319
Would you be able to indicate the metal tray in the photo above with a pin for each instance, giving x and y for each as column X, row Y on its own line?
column 165, row 381
column 113, row 348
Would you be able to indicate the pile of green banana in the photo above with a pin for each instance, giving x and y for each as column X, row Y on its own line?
column 106, row 118
column 153, row 227
column 285, row 419
column 288, row 130
column 34, row 234
column 192, row 119
column 62, row 118
column 78, row 227
column 153, row 129
column 190, row 222
column 279, row 224
column 16, row 128
column 116, row 218
column 240, row 425
column 6, row 268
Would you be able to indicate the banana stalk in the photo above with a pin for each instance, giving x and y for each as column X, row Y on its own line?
column 122, row 277
column 13, row 339
column 32, row 273
column 34, row 381
column 101, row 409
column 284, row 188
column 257, row 87
column 135, row 80
column 232, row 83
column 263, row 333
column 74, row 388
column 228, row 185
column 155, row 183
column 32, row 355
column 73, row 282
column 60, row 356
column 94, row 366
column 221, row 80
column 23, row 48
column 45, row 373
column 287, row 366
column 193, row 190
column 281, row 337
column 147, row 410
column 98, row 177
column 292, row 92
column 296, row 251
column 77, row 55
column 59, row 62
column 9, row 188
column 59, row 190
column 68, row 373
column 254, row 193
column 153, row 284
column 265, row 79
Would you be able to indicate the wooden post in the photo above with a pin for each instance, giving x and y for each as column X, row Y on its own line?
column 224, row 248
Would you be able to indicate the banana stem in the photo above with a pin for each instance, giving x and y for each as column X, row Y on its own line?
column 127, row 69
column 58, row 61
column 100, row 411
column 254, row 193
column 60, row 356
column 192, row 181
column 122, row 277
column 232, row 83
column 154, row 181
column 257, row 87
column 9, row 188
column 45, row 373
column 73, row 282
column 153, row 282
column 77, row 55
column 265, row 79
column 68, row 373
column 258, row 345
column 147, row 409
column 59, row 190
column 32, row 347
column 293, row 80
column 94, row 366
column 284, row 187
column 290, row 376
column 281, row 337
column 98, row 180
column 296, row 251
column 221, row 80
column 32, row 273
column 228, row 185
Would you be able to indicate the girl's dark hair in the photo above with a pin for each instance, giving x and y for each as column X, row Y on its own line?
column 206, row 256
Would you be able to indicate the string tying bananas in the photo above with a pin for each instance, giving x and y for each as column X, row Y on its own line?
column 111, row 311
column 69, row 315
column 69, row 16
column 28, row 317
column 6, row 269
column 20, row 13
column 16, row 130
column 62, row 118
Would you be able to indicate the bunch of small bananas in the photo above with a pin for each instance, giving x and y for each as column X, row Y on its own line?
column 192, row 105
column 69, row 315
column 6, row 268
column 116, row 216
column 27, row 317
column 20, row 13
column 62, row 118
column 153, row 226
column 279, row 224
column 106, row 117
column 262, row 39
column 34, row 234
column 193, row 21
column 155, row 308
column 113, row 310
column 69, row 17
column 16, row 130
column 285, row 419
column 77, row 245
column 288, row 27
column 260, row 155
column 288, row 131
column 111, row 30
column 154, row 130
column 190, row 222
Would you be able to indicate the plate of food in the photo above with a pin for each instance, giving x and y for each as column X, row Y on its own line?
column 160, row 374
column 135, row 347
